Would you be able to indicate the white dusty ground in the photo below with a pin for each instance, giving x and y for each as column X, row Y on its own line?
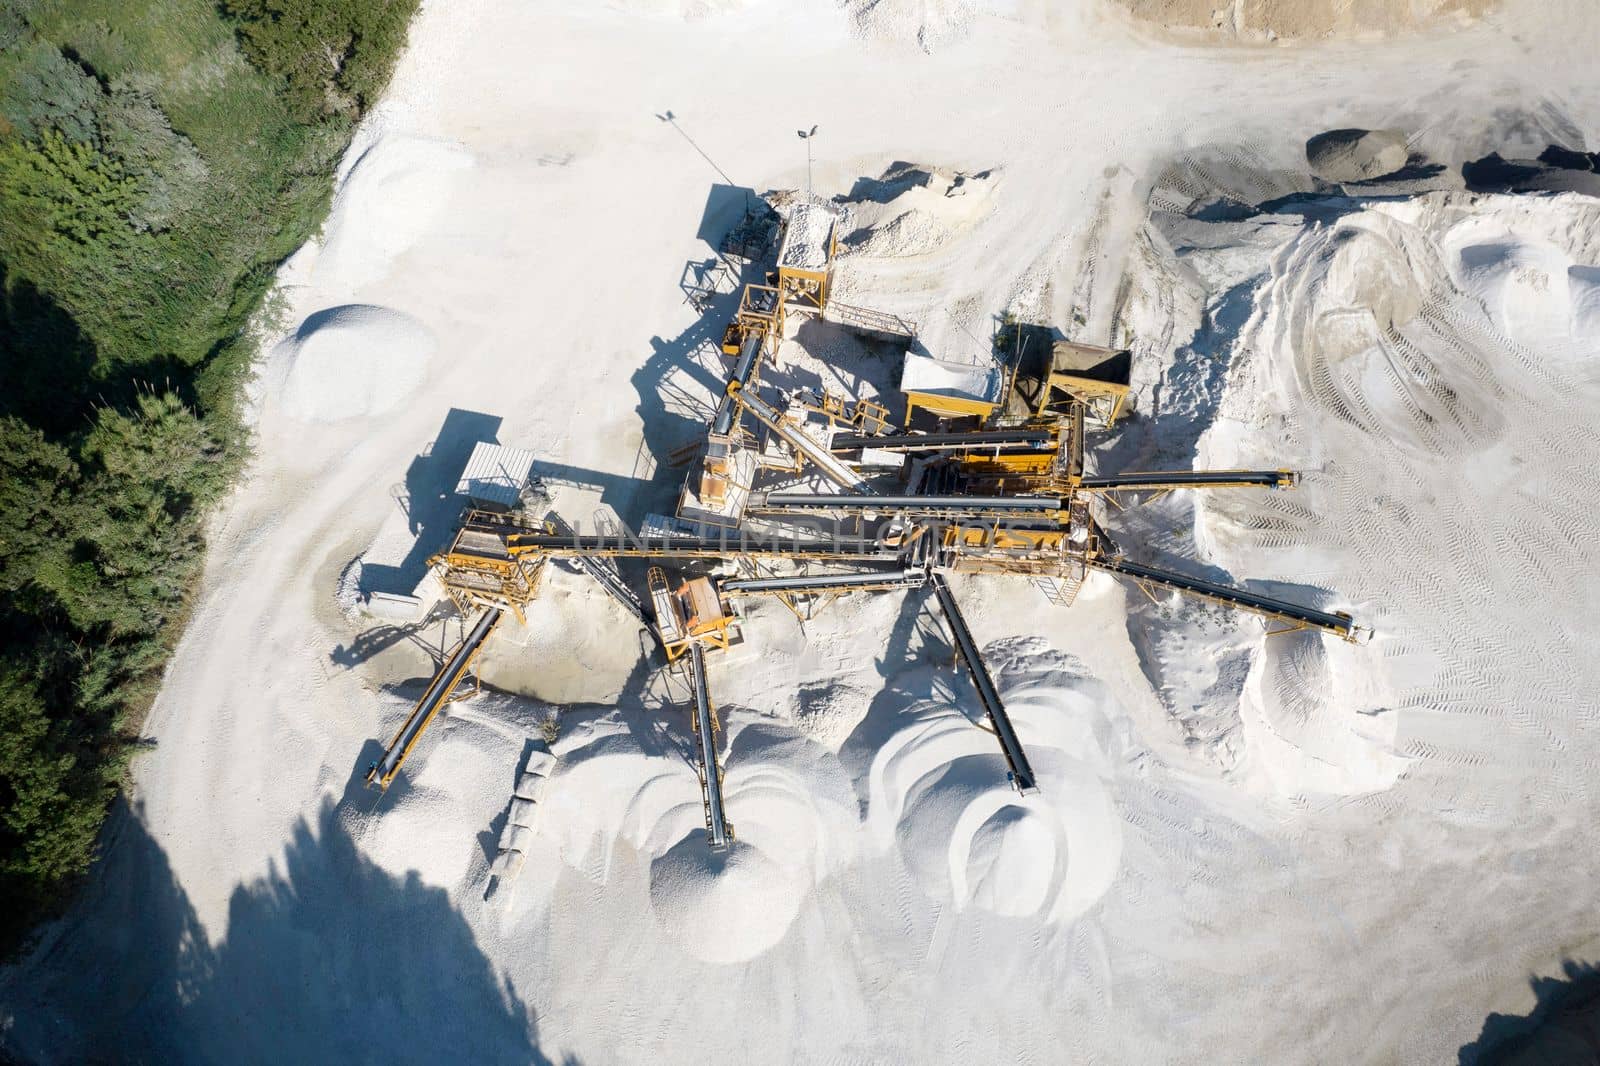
column 1245, row 850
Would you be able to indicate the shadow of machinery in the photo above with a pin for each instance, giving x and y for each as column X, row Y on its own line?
column 326, row 958
column 370, row 643
column 431, row 502
column 917, row 657
column 1563, row 1029
column 682, row 379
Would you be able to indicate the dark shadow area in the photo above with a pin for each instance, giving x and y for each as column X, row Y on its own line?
column 1184, row 402
column 617, row 491
column 1556, row 155
column 489, row 838
column 656, row 725
column 679, row 384
column 904, row 684
column 664, row 725
column 1416, row 169
column 327, row 958
column 358, row 798
column 1327, row 207
column 50, row 372
column 432, row 505
column 370, row 643
column 725, row 206
column 1223, row 209
column 897, row 178
column 1557, row 169
column 1563, row 1029
column 46, row 361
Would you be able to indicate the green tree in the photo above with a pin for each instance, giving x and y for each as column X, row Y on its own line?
column 334, row 58
column 47, row 91
column 155, row 472
column 166, row 169
column 132, row 256
column 54, row 804
column 64, row 190
column 39, row 487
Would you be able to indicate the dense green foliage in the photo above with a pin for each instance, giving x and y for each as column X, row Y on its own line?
column 333, row 57
column 158, row 159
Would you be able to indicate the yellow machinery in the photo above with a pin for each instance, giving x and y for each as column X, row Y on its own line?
column 692, row 613
column 863, row 416
column 439, row 692
column 760, row 312
column 1010, row 494
column 477, row 572
column 950, row 391
column 1050, row 383
column 691, row 620
column 805, row 257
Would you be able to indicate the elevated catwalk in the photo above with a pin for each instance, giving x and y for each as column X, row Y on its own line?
column 812, row 584
column 718, row 831
column 438, row 693
column 1035, row 438
column 1021, row 773
column 984, row 506
column 733, row 546
column 1191, row 479
column 801, row 440
column 1296, row 616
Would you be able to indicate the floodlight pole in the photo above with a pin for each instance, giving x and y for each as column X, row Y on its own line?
column 806, row 135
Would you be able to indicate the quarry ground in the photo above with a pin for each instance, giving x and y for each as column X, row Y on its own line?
column 1284, row 850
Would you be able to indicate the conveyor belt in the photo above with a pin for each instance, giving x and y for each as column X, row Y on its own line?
column 801, row 441
column 802, row 585
column 1302, row 617
column 602, row 572
column 1075, row 444
column 1017, row 760
column 743, row 371
column 642, row 547
column 1179, row 479
column 438, row 692
column 718, row 831
column 794, row 502
column 1033, row 439
column 869, row 320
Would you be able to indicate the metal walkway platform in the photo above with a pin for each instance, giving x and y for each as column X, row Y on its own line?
column 868, row 320
column 809, row 584
column 735, row 545
column 985, row 506
column 437, row 694
column 1021, row 773
column 1005, row 439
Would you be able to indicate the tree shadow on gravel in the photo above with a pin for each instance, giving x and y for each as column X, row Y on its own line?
column 1563, row 1029
column 327, row 957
